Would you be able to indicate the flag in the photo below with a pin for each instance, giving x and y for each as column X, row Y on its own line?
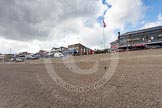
column 104, row 24
column 106, row 3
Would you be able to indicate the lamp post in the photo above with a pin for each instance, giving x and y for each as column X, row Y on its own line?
column 103, row 38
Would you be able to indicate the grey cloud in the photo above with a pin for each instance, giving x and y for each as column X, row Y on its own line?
column 26, row 20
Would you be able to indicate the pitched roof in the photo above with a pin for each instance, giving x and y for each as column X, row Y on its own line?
column 116, row 41
column 143, row 30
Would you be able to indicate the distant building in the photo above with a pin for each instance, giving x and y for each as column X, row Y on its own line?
column 114, row 45
column 24, row 53
column 8, row 57
column 79, row 49
column 140, row 39
column 60, row 49
column 55, row 50
column 2, row 57
column 43, row 53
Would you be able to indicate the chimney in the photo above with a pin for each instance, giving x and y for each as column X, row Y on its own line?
column 118, row 35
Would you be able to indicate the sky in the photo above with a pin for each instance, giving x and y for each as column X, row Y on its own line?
column 31, row 25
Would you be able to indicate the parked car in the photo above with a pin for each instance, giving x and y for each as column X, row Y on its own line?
column 32, row 57
column 12, row 59
column 57, row 55
column 19, row 60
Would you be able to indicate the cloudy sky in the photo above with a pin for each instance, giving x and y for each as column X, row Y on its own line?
column 31, row 25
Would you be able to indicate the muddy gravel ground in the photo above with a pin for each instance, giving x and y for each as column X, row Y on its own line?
column 132, row 80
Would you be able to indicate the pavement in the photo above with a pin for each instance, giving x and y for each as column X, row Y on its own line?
column 136, row 83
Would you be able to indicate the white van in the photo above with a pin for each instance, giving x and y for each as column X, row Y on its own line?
column 58, row 55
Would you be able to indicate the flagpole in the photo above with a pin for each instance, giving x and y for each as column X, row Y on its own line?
column 103, row 34
column 103, row 38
